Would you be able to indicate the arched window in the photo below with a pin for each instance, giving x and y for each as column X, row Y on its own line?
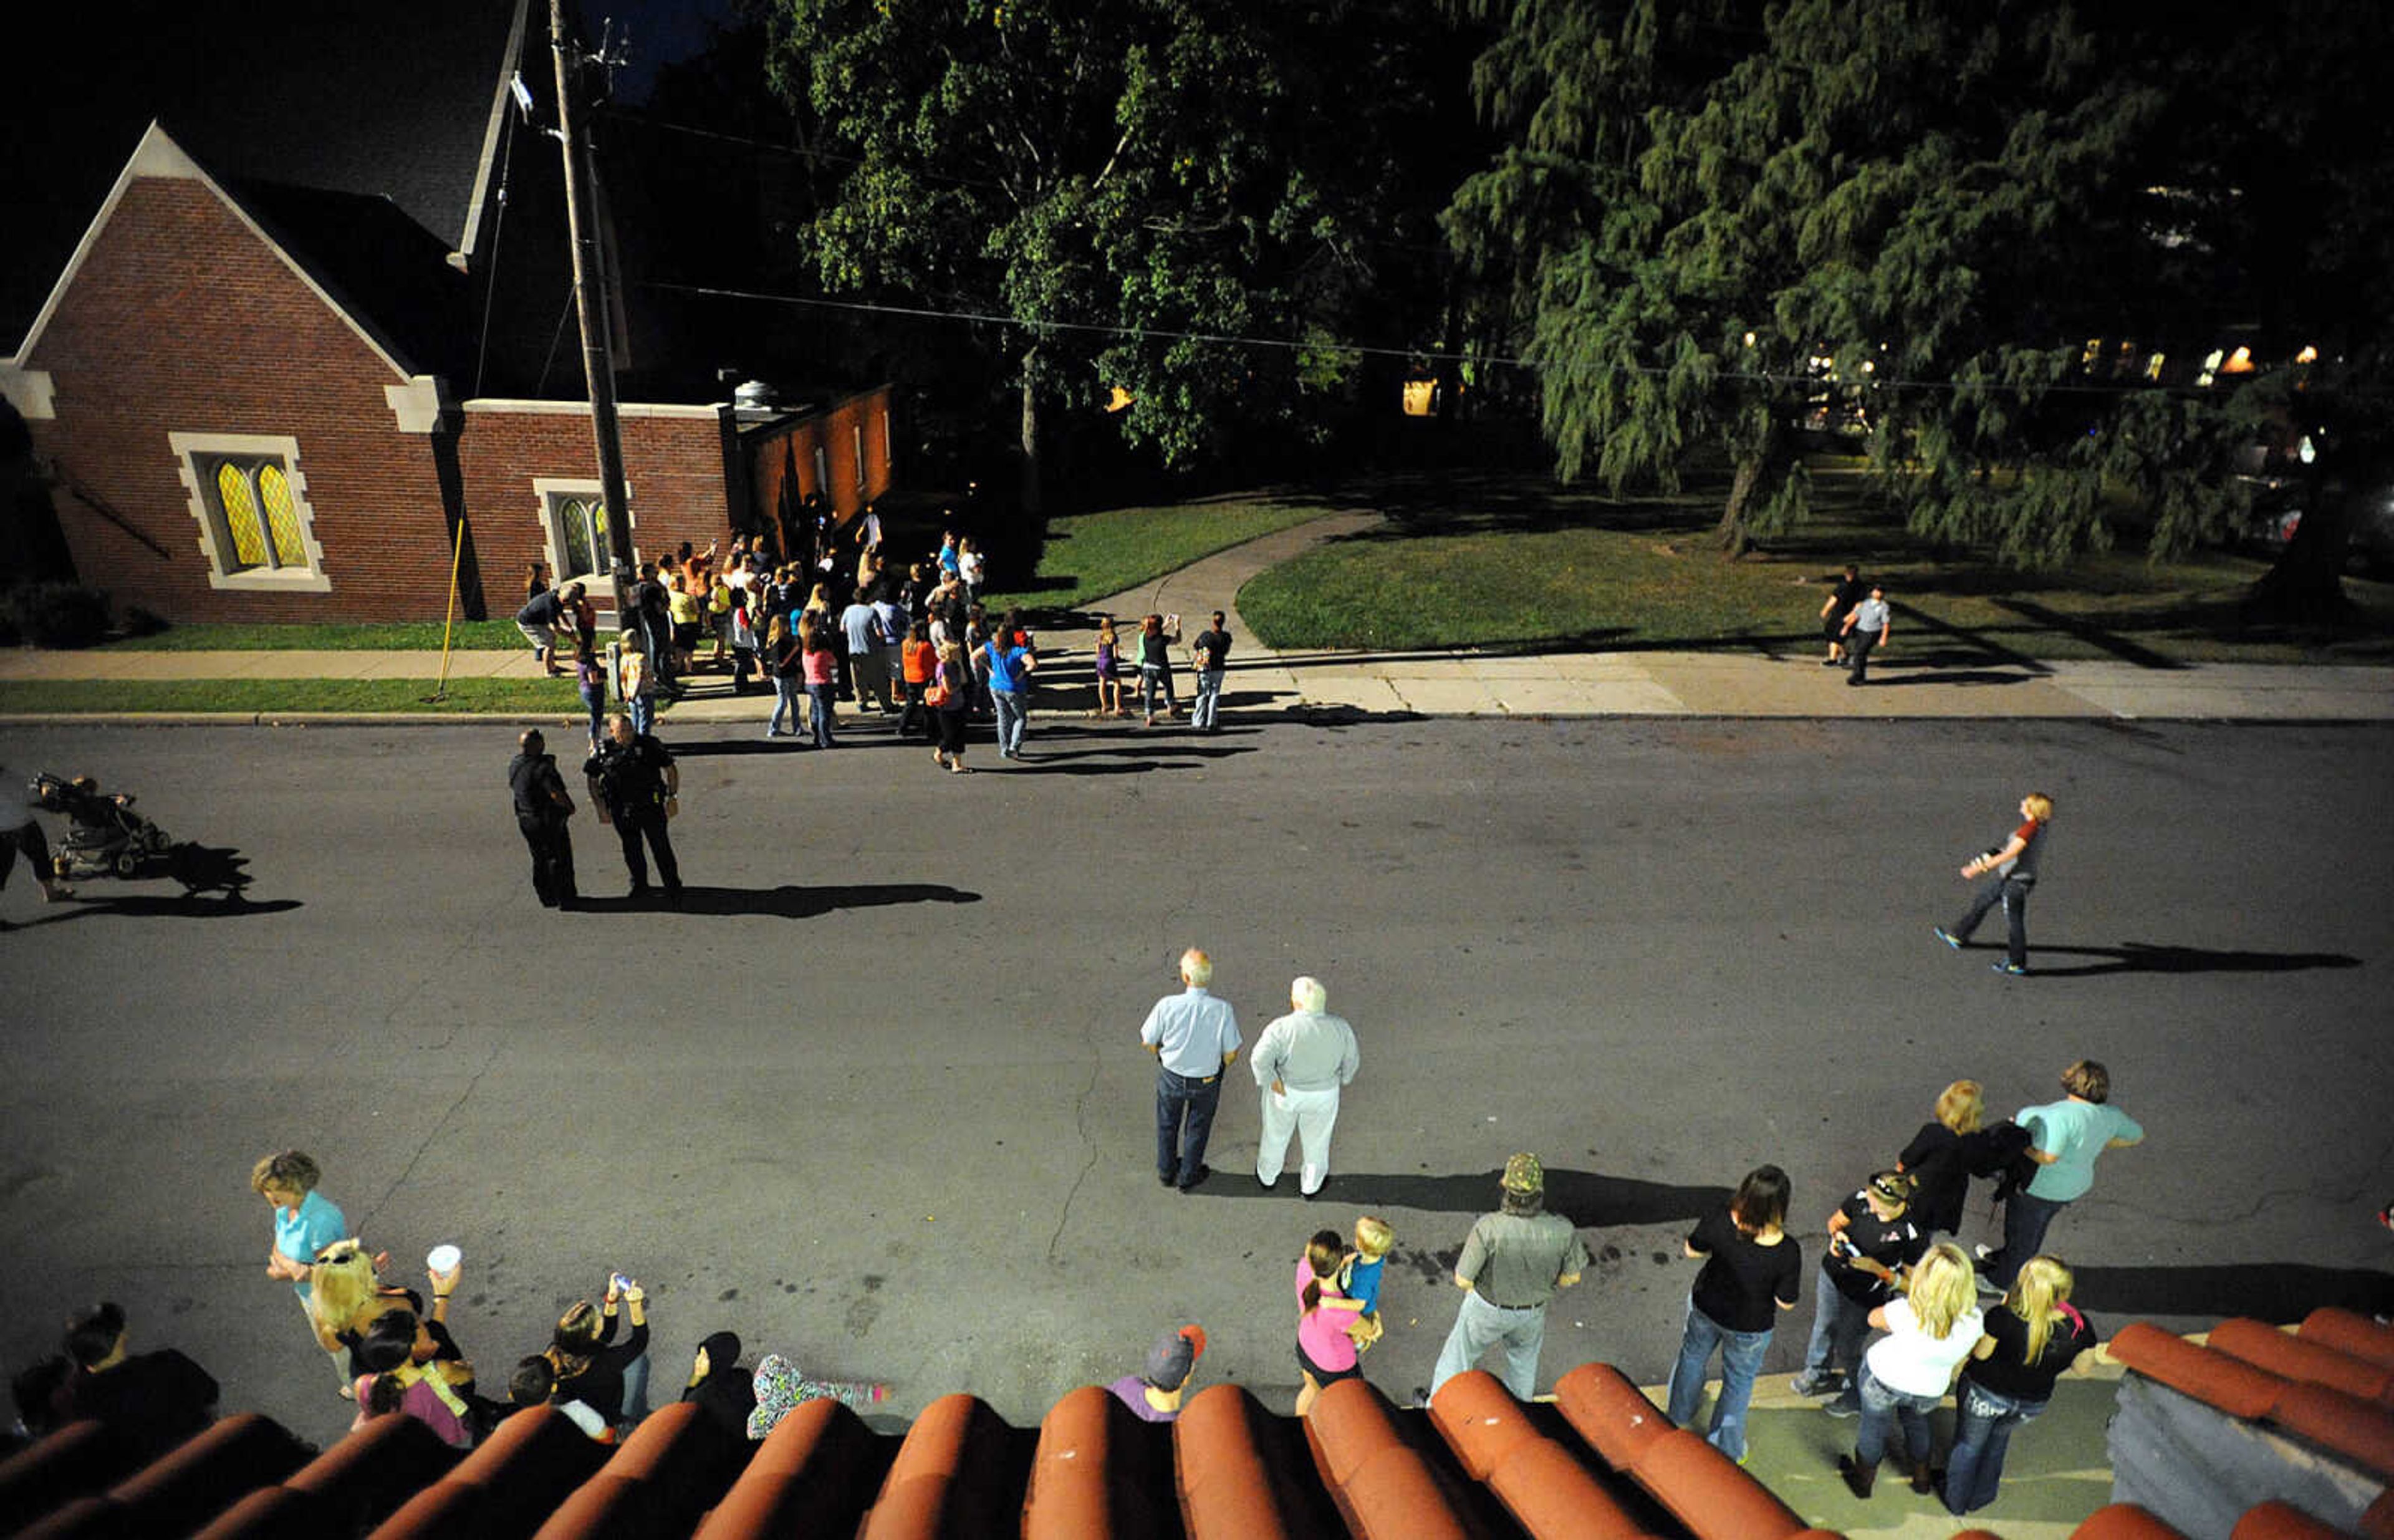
column 249, row 497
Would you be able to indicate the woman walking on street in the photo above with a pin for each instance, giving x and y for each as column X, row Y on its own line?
column 2030, row 1342
column 1751, row 1273
column 951, row 701
column 2013, row 865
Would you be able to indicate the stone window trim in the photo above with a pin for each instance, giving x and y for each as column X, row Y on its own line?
column 191, row 452
column 549, row 493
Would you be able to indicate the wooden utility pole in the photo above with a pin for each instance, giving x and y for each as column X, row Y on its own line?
column 590, row 305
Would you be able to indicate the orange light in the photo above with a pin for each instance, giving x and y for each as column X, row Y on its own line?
column 1120, row 400
column 1421, row 396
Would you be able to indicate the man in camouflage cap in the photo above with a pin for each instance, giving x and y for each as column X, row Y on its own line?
column 1512, row 1264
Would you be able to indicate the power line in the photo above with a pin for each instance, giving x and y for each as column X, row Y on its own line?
column 1426, row 355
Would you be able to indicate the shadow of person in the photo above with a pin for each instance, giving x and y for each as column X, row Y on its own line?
column 208, row 869
column 175, row 906
column 1589, row 1199
column 788, row 902
column 2279, row 1293
column 2142, row 958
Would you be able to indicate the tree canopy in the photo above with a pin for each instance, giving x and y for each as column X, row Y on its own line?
column 1717, row 219
column 1116, row 186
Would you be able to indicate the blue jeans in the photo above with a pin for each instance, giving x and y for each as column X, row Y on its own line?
column 1209, row 699
column 786, row 704
column 1178, row 1154
column 1151, row 679
column 819, row 716
column 2013, row 896
column 1981, row 1432
column 1839, row 1327
column 1009, row 720
column 1741, row 1361
column 642, row 710
column 1882, row 1408
column 1478, row 1327
column 2026, row 1219
column 594, row 699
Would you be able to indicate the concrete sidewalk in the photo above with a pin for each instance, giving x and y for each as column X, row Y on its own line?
column 1918, row 675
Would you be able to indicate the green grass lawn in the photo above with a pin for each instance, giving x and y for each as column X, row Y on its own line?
column 252, row 696
column 406, row 635
column 1503, row 563
column 1093, row 556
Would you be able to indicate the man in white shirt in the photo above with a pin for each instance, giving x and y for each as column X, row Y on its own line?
column 1193, row 1036
column 1300, row 1061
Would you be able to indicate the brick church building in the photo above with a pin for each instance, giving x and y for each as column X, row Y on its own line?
column 302, row 368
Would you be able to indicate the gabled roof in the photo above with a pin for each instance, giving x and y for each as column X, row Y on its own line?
column 158, row 155
column 401, row 102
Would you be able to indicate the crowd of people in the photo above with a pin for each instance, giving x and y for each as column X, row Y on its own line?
column 393, row 1354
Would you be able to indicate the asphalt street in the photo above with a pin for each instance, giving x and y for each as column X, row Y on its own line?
column 873, row 1097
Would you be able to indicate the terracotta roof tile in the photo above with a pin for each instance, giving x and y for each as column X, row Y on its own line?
column 2275, row 1520
column 2124, row 1522
column 2265, row 1347
column 2349, row 1333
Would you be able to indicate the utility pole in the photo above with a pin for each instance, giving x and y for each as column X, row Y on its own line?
column 590, row 305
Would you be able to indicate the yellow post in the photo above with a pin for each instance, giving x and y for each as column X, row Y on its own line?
column 449, row 622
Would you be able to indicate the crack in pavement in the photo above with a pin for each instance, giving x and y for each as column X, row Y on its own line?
column 1081, row 1125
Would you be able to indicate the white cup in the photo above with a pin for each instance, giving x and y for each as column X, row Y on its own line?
column 442, row 1258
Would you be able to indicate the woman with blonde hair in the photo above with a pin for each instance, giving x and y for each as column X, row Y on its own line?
column 1941, row 1155
column 2034, row 1338
column 1929, row 1331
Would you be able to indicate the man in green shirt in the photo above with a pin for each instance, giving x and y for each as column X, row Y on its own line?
column 1513, row 1262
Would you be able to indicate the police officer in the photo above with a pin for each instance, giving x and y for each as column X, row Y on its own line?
column 541, row 809
column 635, row 783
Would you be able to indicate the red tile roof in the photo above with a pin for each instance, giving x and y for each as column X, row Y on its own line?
column 1601, row 1465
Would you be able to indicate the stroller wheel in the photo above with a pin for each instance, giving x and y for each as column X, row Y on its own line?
column 127, row 863
column 155, row 840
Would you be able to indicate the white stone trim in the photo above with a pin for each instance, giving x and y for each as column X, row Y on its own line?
column 417, row 404
column 494, row 125
column 159, row 155
column 288, row 580
column 548, row 488
column 30, row 391
column 582, row 409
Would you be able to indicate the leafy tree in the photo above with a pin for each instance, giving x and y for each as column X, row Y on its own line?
column 1723, row 218
column 1099, row 178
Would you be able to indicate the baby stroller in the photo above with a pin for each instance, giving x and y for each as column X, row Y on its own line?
column 105, row 836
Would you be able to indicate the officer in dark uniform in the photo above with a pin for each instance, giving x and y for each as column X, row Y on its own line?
column 635, row 783
column 541, row 809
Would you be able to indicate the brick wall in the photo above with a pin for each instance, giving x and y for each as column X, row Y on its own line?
column 672, row 465
column 782, row 459
column 180, row 319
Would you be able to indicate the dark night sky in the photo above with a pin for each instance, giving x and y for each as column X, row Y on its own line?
column 107, row 71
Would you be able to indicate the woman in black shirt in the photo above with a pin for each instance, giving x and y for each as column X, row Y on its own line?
column 1939, row 1157
column 2028, row 1343
column 609, row 1377
column 1751, row 1272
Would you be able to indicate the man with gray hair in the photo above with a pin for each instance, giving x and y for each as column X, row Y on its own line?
column 1193, row 1036
column 1300, row 1061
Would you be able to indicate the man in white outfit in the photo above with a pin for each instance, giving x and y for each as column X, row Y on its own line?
column 1300, row 1061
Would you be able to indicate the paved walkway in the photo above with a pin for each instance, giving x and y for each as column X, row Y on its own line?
column 1916, row 677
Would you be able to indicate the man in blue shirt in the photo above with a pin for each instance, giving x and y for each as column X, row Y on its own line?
column 1193, row 1036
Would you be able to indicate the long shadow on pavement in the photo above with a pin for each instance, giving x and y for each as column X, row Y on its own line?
column 180, row 906
column 789, row 902
column 2279, row 1293
column 1589, row 1199
column 2141, row 957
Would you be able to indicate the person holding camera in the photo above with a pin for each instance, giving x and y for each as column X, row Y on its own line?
column 609, row 1376
column 1873, row 1243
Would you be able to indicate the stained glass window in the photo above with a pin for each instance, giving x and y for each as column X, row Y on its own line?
column 580, row 532
column 240, row 505
column 282, row 519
